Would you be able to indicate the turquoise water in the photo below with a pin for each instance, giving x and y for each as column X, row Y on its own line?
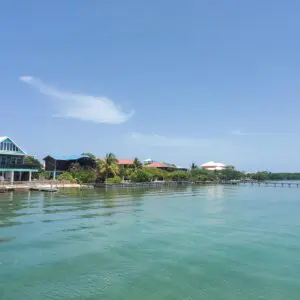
column 190, row 243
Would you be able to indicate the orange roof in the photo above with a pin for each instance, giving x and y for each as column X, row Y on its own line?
column 125, row 161
column 157, row 165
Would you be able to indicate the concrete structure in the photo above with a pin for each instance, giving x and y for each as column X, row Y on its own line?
column 213, row 166
column 57, row 164
column 12, row 166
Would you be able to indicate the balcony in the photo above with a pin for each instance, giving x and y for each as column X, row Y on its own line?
column 8, row 167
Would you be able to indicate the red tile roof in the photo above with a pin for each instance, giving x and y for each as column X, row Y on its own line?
column 157, row 165
column 125, row 161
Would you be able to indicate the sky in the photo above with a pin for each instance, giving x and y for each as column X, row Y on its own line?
column 175, row 81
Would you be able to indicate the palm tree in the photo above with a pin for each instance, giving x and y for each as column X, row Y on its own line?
column 89, row 154
column 193, row 166
column 137, row 164
column 108, row 166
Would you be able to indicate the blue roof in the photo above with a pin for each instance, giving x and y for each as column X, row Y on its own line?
column 68, row 157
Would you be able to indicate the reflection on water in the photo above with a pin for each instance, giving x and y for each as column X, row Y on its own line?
column 211, row 242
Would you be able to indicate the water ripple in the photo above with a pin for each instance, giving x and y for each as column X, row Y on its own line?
column 211, row 242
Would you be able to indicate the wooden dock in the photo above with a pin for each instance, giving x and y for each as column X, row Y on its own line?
column 271, row 183
column 153, row 184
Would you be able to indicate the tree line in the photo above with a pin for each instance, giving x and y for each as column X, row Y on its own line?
column 107, row 170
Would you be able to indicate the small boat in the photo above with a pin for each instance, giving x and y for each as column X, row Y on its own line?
column 44, row 189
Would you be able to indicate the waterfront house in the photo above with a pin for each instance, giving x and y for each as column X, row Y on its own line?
column 213, row 166
column 162, row 166
column 12, row 166
column 57, row 164
column 126, row 163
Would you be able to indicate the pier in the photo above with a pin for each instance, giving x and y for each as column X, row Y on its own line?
column 271, row 183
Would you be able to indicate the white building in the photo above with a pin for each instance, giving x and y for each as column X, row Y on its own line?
column 148, row 161
column 212, row 166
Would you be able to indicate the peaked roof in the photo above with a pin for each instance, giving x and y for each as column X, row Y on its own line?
column 158, row 165
column 67, row 157
column 4, row 138
column 213, row 164
column 125, row 161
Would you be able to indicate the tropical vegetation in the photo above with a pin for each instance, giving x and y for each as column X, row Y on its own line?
column 108, row 171
column 107, row 167
column 30, row 160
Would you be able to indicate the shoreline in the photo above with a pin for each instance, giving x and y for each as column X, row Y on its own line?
column 28, row 187
column 55, row 186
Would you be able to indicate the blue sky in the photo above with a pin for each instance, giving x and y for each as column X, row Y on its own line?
column 177, row 81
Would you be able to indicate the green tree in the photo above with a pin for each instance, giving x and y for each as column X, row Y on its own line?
column 86, row 176
column 113, row 180
column 193, row 166
column 261, row 176
column 156, row 173
column 137, row 164
column 140, row 176
column 82, row 174
column 230, row 174
column 107, row 167
column 178, row 176
column 66, row 176
column 91, row 155
column 201, row 174
column 30, row 160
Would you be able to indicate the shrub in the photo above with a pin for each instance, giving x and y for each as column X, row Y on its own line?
column 66, row 176
column 85, row 176
column 140, row 176
column 156, row 174
column 178, row 176
column 113, row 180
column 200, row 174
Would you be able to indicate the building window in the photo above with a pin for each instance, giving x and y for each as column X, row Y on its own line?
column 9, row 146
column 2, row 160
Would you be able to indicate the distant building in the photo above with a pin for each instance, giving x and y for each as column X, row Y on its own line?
column 212, row 166
column 179, row 168
column 12, row 166
column 58, row 164
column 162, row 166
column 148, row 161
column 126, row 163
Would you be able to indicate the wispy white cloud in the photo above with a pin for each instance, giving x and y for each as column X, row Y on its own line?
column 240, row 132
column 156, row 140
column 80, row 106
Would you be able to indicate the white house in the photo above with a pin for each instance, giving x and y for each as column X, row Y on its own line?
column 212, row 166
